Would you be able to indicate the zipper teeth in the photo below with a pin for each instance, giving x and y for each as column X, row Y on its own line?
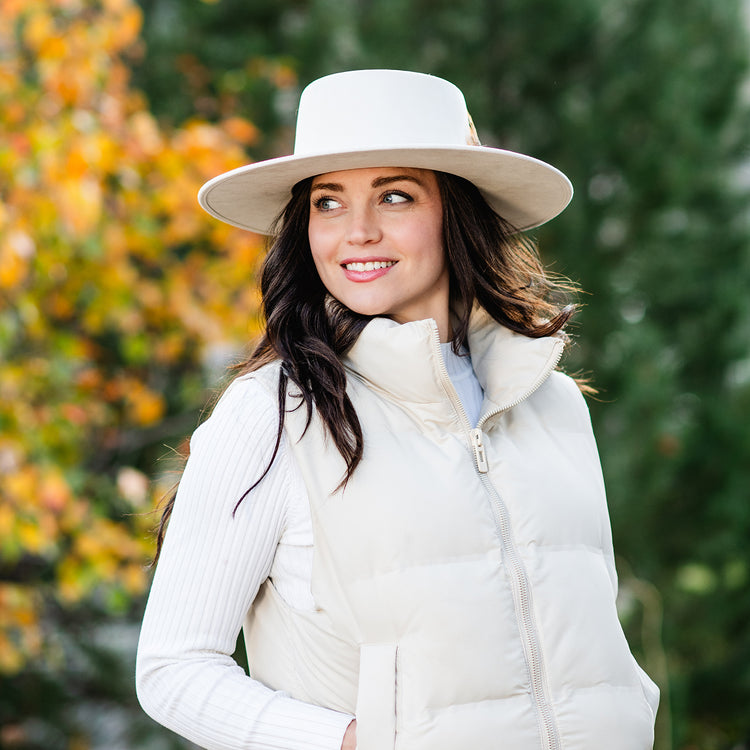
column 448, row 384
column 519, row 581
column 522, row 594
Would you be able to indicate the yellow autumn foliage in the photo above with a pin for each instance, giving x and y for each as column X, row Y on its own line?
column 113, row 288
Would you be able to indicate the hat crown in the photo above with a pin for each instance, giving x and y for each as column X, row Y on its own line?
column 373, row 109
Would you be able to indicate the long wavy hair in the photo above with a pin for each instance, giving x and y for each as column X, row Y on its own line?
column 308, row 331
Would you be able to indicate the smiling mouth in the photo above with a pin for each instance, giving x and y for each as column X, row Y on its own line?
column 373, row 265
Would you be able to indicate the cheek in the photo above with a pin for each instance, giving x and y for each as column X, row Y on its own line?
column 323, row 252
column 317, row 247
column 429, row 239
column 322, row 242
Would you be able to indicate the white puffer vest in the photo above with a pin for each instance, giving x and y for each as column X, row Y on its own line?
column 464, row 578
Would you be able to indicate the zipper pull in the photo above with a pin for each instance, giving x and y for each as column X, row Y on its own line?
column 479, row 454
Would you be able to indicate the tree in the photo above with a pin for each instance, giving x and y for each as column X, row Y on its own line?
column 116, row 296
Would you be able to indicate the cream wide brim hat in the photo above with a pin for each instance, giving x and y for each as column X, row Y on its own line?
column 387, row 118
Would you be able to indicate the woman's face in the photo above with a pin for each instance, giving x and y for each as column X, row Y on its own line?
column 377, row 242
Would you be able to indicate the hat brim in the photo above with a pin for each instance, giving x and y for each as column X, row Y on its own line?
column 525, row 191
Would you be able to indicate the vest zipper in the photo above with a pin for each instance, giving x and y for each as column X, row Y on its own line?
column 524, row 612
column 479, row 455
column 519, row 581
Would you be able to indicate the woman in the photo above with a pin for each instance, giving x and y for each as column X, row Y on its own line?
column 400, row 497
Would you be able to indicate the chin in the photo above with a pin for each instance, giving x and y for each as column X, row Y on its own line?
column 363, row 308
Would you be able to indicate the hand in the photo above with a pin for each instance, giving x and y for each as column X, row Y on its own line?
column 350, row 737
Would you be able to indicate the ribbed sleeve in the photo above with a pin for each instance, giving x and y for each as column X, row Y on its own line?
column 211, row 567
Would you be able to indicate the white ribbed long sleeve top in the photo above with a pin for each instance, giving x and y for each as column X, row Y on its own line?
column 212, row 564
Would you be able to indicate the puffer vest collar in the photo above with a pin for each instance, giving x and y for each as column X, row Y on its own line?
column 405, row 361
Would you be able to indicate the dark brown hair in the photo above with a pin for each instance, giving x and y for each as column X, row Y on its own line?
column 308, row 331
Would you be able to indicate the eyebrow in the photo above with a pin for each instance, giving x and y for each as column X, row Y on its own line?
column 337, row 187
column 380, row 181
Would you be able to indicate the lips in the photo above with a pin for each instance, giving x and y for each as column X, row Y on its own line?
column 367, row 270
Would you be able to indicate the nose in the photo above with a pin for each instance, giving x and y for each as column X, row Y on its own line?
column 363, row 227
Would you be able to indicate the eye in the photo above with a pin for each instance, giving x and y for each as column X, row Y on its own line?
column 326, row 203
column 397, row 197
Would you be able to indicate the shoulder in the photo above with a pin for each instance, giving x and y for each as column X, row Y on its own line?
column 247, row 407
column 266, row 377
column 238, row 444
column 565, row 384
column 562, row 402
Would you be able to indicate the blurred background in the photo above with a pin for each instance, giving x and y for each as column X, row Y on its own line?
column 121, row 303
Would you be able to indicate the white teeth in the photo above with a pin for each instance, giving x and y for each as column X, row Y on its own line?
column 372, row 265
